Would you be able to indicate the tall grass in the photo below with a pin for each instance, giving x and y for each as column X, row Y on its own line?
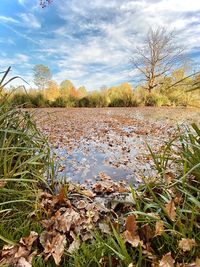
column 24, row 169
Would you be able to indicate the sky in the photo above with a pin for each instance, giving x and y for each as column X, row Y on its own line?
column 89, row 42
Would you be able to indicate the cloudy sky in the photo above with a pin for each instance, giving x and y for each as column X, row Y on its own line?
column 89, row 42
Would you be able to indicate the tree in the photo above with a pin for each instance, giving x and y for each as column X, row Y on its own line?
column 52, row 92
column 157, row 57
column 67, row 89
column 42, row 76
column 82, row 91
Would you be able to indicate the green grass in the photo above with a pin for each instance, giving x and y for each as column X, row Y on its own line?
column 24, row 163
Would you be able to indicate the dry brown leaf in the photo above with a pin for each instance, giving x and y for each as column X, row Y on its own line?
column 133, row 240
column 88, row 193
column 22, row 262
column 61, row 195
column 53, row 244
column 2, row 184
column 170, row 210
column 64, row 222
column 131, row 224
column 167, row 261
column 169, row 176
column 186, row 244
column 103, row 176
column 9, row 250
column 75, row 244
column 81, row 204
column 28, row 240
column 87, row 236
column 146, row 232
column 104, row 227
column 22, row 252
column 159, row 227
column 122, row 189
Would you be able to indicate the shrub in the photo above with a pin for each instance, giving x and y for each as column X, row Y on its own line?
column 21, row 99
column 38, row 100
column 59, row 102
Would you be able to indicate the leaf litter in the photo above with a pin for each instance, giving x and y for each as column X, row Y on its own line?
column 103, row 202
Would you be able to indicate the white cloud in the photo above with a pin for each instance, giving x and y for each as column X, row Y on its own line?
column 8, row 19
column 29, row 20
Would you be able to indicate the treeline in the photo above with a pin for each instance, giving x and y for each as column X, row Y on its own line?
column 170, row 92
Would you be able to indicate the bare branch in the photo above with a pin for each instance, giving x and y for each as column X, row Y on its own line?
column 158, row 56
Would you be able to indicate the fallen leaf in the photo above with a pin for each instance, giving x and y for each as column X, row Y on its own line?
column 133, row 240
column 170, row 210
column 9, row 250
column 81, row 204
column 186, row 244
column 167, row 261
column 2, row 184
column 146, row 233
column 104, row 227
column 53, row 244
column 22, row 262
column 75, row 244
column 64, row 222
column 22, row 252
column 169, row 176
column 28, row 240
column 159, row 227
column 88, row 193
column 103, row 176
column 131, row 224
column 61, row 195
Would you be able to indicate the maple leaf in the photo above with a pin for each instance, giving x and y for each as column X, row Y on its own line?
column 186, row 244
column 170, row 210
column 167, row 261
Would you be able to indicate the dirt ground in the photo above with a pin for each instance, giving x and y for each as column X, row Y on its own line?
column 113, row 141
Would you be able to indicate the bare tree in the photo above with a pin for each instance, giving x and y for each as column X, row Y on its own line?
column 157, row 57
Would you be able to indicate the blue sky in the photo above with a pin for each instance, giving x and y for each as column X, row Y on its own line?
column 89, row 42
